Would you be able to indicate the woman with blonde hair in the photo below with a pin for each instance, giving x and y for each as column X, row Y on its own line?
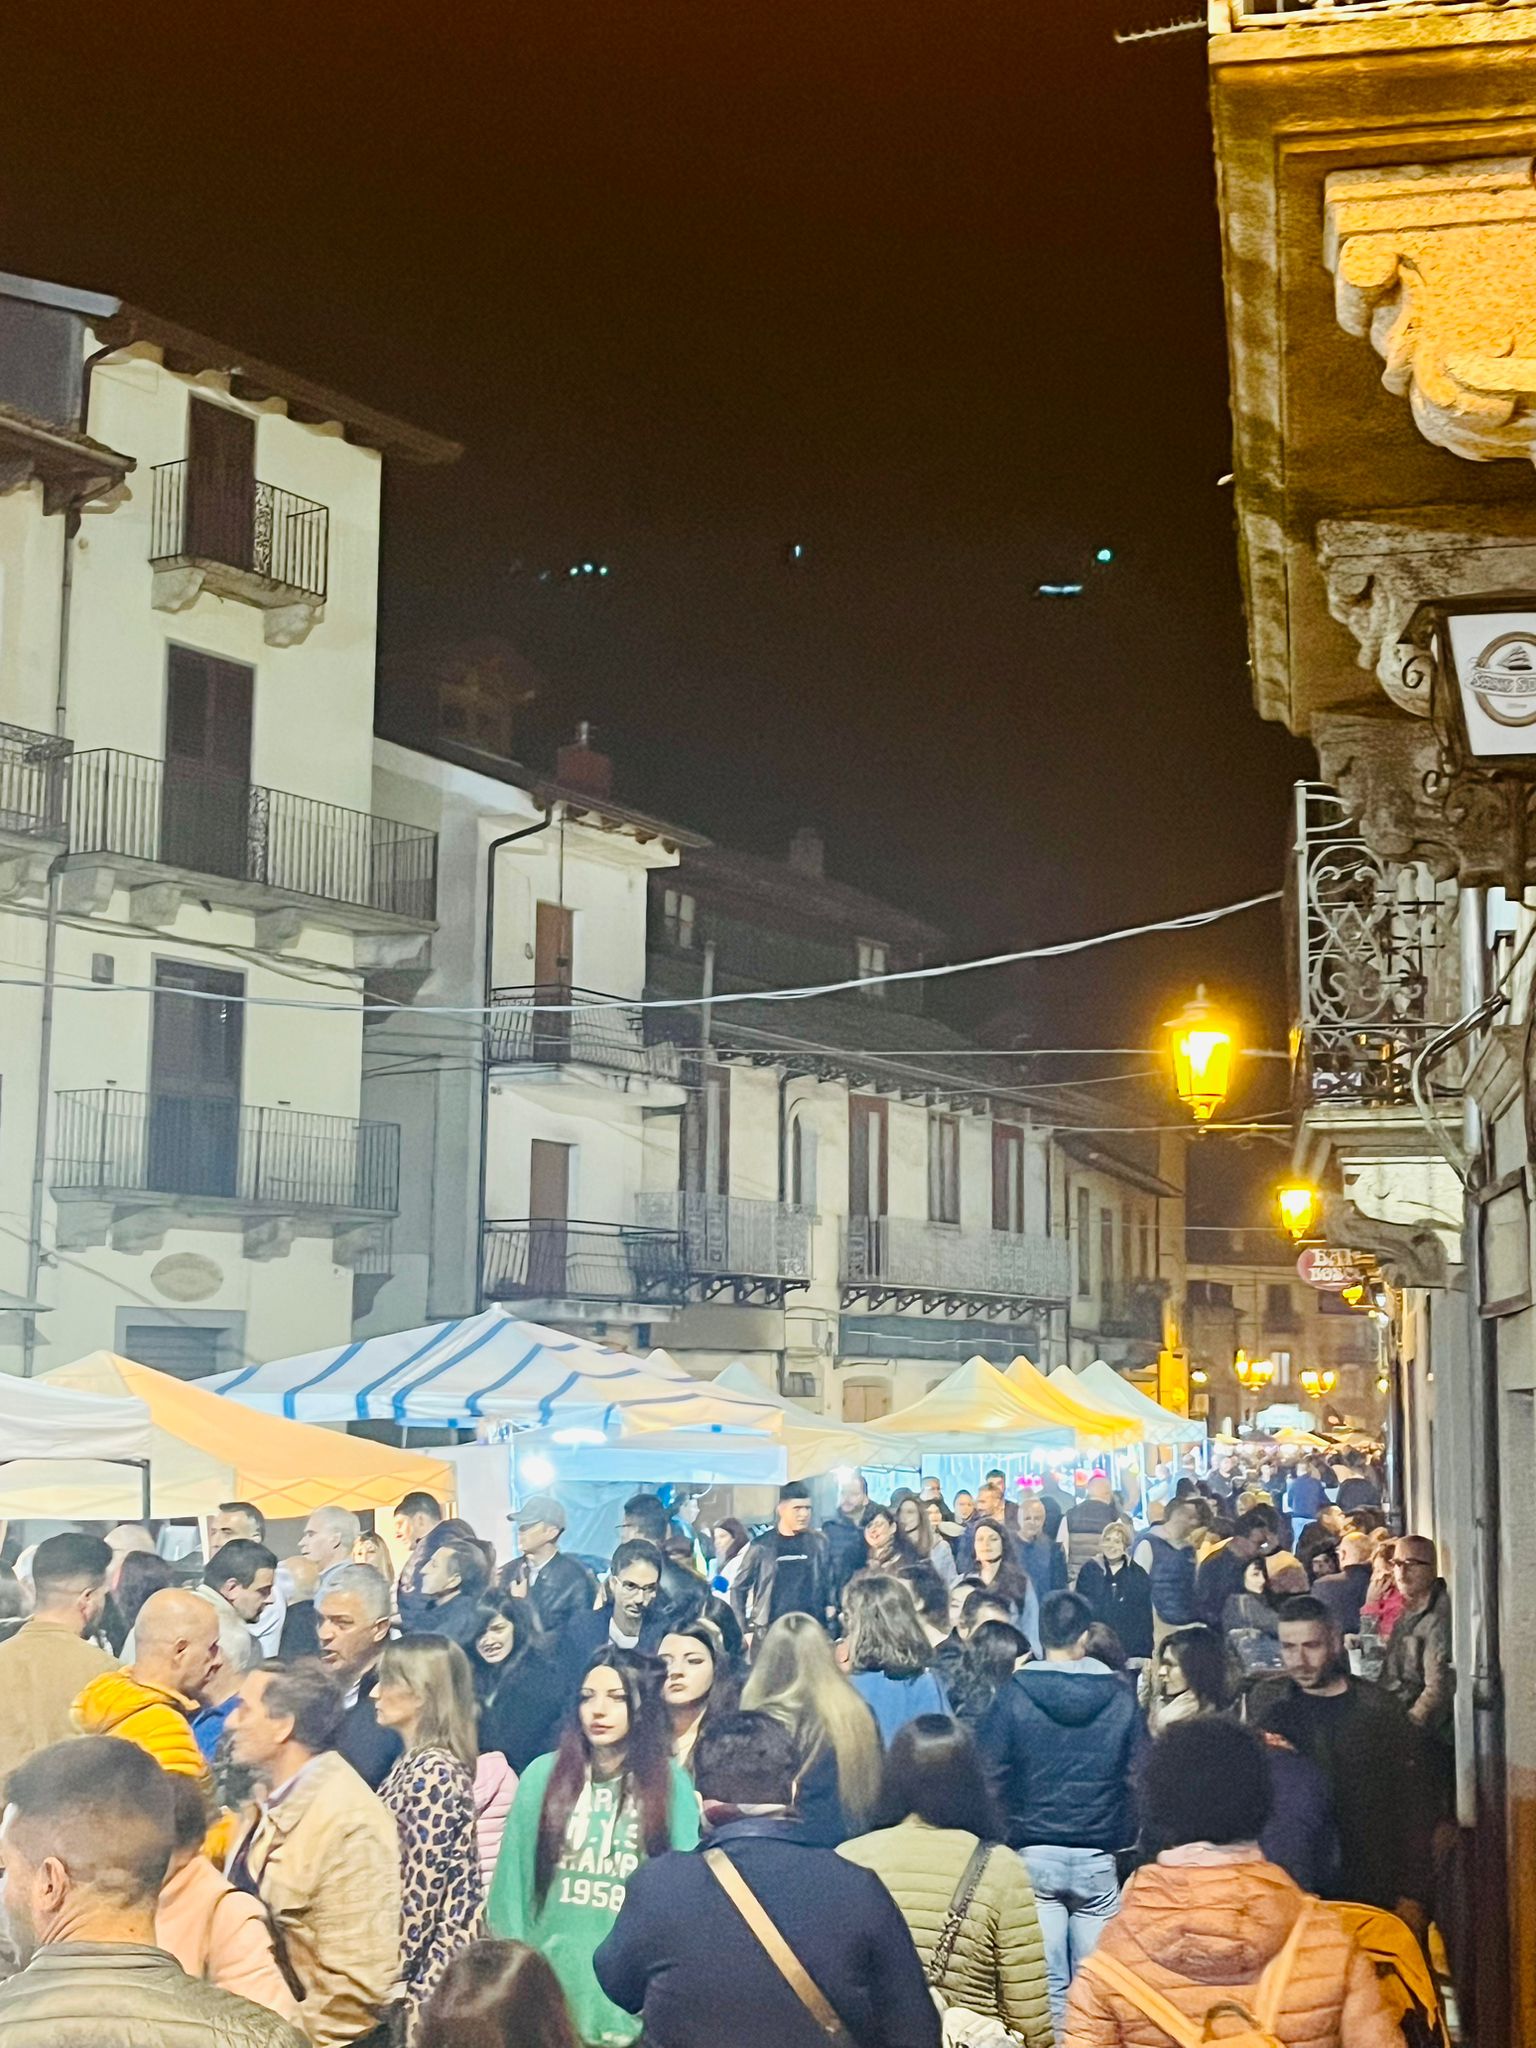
column 370, row 1548
column 426, row 1693
column 796, row 1680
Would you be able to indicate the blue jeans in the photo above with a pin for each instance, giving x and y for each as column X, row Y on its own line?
column 1076, row 1892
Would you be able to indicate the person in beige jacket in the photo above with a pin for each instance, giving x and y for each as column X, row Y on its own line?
column 49, row 1660
column 992, row 1961
column 323, row 1853
column 1211, row 1937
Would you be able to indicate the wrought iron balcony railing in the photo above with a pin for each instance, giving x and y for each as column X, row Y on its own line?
column 545, row 1025
column 34, row 769
column 894, row 1257
column 539, row 1259
column 179, row 815
column 730, row 1241
column 273, row 537
column 1240, row 14
column 110, row 1141
column 1373, row 960
column 1133, row 1308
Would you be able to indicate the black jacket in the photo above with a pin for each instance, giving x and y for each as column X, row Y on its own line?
column 1046, row 1563
column 846, row 1550
column 459, row 1618
column 372, row 1751
column 1218, row 1576
column 752, row 1588
column 301, row 1632
column 588, row 1633
column 1060, row 1745
column 559, row 1591
column 522, row 1716
column 681, row 1955
column 681, row 1599
column 1122, row 1600
column 1343, row 1594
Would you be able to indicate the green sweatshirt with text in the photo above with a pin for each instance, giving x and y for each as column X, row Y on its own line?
column 601, row 1852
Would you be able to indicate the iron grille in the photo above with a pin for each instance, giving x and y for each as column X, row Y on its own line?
column 734, row 1235
column 543, row 1259
column 274, row 536
column 33, row 781
column 900, row 1254
column 535, row 1026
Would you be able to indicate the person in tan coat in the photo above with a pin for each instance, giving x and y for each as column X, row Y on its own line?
column 944, row 1853
column 1214, row 1931
column 323, row 1853
column 49, row 1660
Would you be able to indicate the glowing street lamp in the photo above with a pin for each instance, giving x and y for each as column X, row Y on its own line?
column 1298, row 1205
column 1201, row 1046
column 1319, row 1384
column 1252, row 1374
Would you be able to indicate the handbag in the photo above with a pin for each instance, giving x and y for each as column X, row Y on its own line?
column 963, row 2027
column 779, row 1952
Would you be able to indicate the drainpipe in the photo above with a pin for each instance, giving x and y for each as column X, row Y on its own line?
column 495, row 847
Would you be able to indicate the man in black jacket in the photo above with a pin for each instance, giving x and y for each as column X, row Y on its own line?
column 684, row 1956
column 786, row 1571
column 353, row 1625
column 559, row 1588
column 683, row 1593
column 846, row 1547
column 1061, row 1742
column 627, row 1618
column 1220, row 1573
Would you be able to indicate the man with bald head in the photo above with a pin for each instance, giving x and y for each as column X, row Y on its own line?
column 151, row 1704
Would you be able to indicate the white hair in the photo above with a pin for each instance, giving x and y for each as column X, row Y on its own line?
column 365, row 1584
column 239, row 1650
column 338, row 1522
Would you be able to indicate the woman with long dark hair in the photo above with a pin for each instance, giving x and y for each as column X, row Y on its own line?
column 699, row 1683
column 966, row 1898
column 914, row 1524
column 582, row 1821
column 498, row 1994
column 517, row 1681
column 884, row 1545
column 1192, row 1675
column 986, row 1664
column 729, row 1544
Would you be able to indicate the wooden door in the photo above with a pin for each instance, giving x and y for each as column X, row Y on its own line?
column 549, row 1208
column 220, row 519
column 866, row 1400
column 868, row 1185
column 1008, row 1179
column 205, row 811
column 706, row 1148
column 194, row 1087
column 553, row 935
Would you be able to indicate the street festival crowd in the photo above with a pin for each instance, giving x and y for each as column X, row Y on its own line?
column 1025, row 1766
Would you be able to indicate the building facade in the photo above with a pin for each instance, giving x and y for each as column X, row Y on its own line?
column 197, row 891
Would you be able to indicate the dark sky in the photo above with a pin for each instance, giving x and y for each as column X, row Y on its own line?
column 932, row 289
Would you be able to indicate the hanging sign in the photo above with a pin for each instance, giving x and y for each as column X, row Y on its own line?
column 1329, row 1270
column 1494, row 660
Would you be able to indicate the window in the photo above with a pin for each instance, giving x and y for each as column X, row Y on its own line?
column 866, row 1400
column 1084, row 1269
column 869, row 960
column 678, row 911
column 1278, row 1312
column 706, row 1137
column 1125, row 1247
column 1008, row 1178
column 1145, row 1267
column 867, row 1156
column 1210, row 1294
column 1106, row 1253
column 1282, row 1361
column 187, row 1346
column 194, row 1079
column 802, row 1162
column 944, row 1169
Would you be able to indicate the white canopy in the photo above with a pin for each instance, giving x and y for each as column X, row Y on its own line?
column 1161, row 1424
column 491, row 1367
column 818, row 1444
column 41, row 1421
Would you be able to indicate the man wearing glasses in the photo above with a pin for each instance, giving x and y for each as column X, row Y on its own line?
column 625, row 1616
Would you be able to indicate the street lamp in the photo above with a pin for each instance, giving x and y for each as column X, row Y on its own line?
column 1252, row 1374
column 1201, row 1047
column 1319, row 1384
column 1298, row 1205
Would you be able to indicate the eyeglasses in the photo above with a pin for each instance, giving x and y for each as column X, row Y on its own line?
column 647, row 1592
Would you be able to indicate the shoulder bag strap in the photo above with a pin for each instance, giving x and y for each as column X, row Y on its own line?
column 959, row 1907
column 1151, row 2004
column 1277, row 1974
column 780, row 1954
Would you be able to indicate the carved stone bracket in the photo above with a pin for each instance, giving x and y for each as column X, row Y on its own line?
column 1410, row 1255
column 1436, row 264
column 1379, row 571
column 176, row 590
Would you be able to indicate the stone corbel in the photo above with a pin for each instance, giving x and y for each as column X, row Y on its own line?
column 1409, row 1255
column 86, row 891
column 176, row 590
column 289, row 625
column 1436, row 265
column 270, row 1237
column 156, row 904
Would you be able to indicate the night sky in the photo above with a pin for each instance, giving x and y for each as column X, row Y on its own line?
column 931, row 290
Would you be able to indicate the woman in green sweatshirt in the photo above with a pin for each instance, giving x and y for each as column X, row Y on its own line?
column 580, row 1824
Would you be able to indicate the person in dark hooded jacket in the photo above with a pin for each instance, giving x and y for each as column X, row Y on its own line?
column 1061, row 1743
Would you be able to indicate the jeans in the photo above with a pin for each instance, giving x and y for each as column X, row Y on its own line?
column 1076, row 1892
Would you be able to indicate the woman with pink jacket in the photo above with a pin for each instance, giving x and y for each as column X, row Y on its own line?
column 213, row 1929
column 495, row 1785
column 1210, row 1936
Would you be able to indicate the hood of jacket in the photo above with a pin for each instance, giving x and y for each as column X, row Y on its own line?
column 107, row 1702
column 1218, row 1925
column 1072, row 1695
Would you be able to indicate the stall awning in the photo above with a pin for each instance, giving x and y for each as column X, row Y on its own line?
column 1093, row 1427
column 1160, row 1425
column 204, row 1449
column 490, row 1367
column 975, row 1409
column 39, row 1420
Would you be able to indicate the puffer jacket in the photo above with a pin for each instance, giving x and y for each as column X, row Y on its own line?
column 151, row 1717
column 87, row 1994
column 495, row 1785
column 1203, row 1935
column 997, row 1966
column 1061, row 1743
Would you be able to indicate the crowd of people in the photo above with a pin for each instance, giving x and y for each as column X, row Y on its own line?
column 1028, row 1767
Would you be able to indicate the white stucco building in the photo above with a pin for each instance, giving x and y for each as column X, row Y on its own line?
column 188, row 848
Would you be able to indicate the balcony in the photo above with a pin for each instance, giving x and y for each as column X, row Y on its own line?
column 128, row 1167
column 237, row 537
column 248, row 846
column 1240, row 14
column 1373, row 963
column 533, row 1027
column 1133, row 1309
column 34, row 786
column 756, row 1252
column 573, row 1269
column 893, row 1260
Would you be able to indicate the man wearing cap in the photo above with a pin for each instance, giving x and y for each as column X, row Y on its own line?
column 559, row 1587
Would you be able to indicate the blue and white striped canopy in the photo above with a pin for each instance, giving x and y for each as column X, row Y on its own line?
column 492, row 1367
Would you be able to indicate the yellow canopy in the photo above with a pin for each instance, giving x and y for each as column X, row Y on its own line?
column 1089, row 1423
column 205, row 1449
column 975, row 1409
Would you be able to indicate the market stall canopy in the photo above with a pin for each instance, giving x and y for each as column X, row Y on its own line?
column 485, row 1368
column 204, row 1449
column 1072, row 1385
column 106, row 1444
column 975, row 1409
column 1094, row 1427
column 817, row 1444
column 1161, row 1425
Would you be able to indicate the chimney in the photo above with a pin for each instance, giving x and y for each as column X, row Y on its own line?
column 808, row 854
column 581, row 766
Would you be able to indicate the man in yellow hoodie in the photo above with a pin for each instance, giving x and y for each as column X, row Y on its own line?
column 152, row 1703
